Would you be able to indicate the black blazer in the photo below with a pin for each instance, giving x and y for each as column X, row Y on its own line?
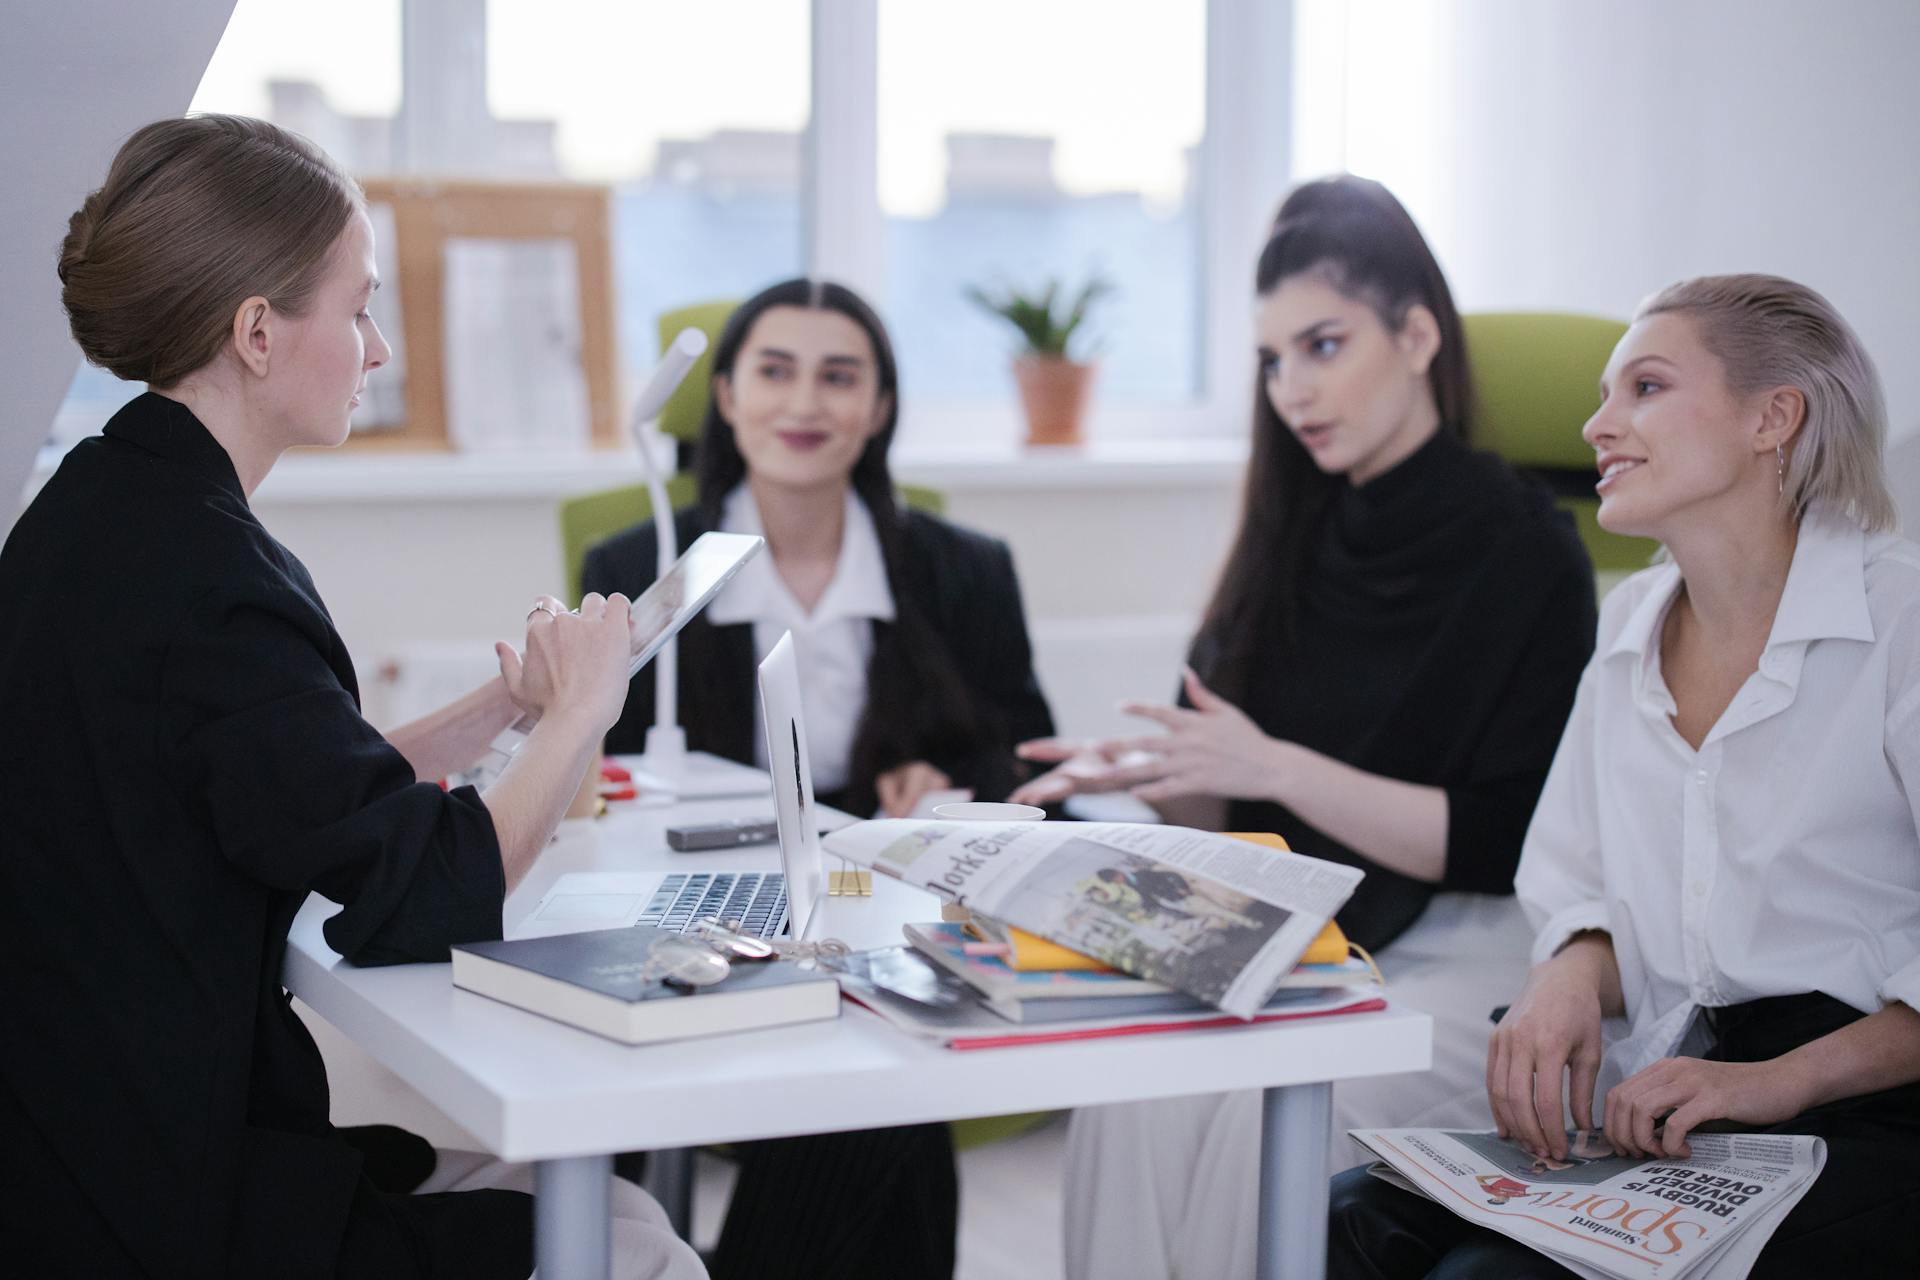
column 962, row 583
column 185, row 759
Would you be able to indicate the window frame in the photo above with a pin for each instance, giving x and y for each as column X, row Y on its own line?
column 1244, row 170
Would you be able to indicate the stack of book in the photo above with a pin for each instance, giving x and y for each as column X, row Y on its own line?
column 1028, row 979
column 985, row 986
column 1094, row 929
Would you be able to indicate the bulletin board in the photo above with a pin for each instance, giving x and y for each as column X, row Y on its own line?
column 427, row 215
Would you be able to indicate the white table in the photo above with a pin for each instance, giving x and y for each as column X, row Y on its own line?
column 535, row 1090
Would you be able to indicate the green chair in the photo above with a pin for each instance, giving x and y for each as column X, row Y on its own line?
column 591, row 517
column 1537, row 377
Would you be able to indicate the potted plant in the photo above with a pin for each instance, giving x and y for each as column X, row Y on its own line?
column 1053, row 385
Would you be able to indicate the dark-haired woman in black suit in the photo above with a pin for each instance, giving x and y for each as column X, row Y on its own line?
column 916, row 677
column 916, row 672
column 1382, row 677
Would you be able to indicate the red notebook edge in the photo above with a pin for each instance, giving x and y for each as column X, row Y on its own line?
column 1372, row 1004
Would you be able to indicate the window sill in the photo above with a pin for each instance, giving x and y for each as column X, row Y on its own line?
column 303, row 479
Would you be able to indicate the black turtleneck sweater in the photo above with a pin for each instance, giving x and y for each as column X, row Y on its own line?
column 1444, row 615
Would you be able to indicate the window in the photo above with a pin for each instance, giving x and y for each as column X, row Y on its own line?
column 907, row 149
column 1022, row 142
column 694, row 114
column 330, row 71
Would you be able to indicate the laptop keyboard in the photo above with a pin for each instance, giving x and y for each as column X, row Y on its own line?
column 757, row 899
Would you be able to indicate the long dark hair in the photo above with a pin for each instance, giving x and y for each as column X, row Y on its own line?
column 1352, row 233
column 918, row 707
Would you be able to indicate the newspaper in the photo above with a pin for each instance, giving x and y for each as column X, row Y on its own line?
column 1606, row 1216
column 1218, row 918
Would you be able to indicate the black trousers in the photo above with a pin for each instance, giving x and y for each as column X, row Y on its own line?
column 452, row 1235
column 1861, row 1218
column 880, row 1203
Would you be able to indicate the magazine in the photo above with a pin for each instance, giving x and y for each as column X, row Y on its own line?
column 1215, row 917
column 1608, row 1216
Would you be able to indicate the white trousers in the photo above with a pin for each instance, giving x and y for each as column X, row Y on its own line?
column 644, row 1246
column 1166, row 1190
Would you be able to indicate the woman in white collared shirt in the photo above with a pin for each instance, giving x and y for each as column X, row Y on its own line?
column 1726, row 853
column 916, row 672
column 915, row 676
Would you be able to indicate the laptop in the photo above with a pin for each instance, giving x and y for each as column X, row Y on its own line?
column 767, row 904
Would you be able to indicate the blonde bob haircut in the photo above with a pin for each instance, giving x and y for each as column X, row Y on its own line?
column 1771, row 332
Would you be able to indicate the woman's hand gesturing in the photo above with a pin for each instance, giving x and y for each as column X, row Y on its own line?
column 1210, row 749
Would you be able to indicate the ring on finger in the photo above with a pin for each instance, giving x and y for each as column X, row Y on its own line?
column 543, row 607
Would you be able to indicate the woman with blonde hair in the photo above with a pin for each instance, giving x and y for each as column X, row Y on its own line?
column 188, row 761
column 1727, row 850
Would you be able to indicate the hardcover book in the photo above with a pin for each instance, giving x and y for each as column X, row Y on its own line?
column 598, row 982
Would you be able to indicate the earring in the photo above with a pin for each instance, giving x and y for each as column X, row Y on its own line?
column 1780, row 456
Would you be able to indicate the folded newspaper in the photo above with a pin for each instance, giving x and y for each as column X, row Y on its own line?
column 1215, row 917
column 1607, row 1216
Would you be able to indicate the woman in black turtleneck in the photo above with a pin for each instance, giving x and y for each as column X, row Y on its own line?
column 1382, row 677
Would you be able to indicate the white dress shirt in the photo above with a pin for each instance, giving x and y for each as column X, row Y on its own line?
column 1783, row 856
column 831, row 645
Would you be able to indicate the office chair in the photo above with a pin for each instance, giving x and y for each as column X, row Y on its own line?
column 1537, row 376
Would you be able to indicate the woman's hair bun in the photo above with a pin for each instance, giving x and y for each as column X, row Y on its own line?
column 197, row 215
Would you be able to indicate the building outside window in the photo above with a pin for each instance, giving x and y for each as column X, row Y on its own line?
column 1078, row 147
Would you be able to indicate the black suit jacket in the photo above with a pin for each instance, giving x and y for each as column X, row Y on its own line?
column 960, row 582
column 185, row 759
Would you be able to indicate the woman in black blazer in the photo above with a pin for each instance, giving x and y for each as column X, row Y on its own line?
column 917, row 676
column 189, row 761
column 949, row 686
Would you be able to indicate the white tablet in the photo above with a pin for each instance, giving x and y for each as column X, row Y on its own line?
column 662, row 609
column 692, row 581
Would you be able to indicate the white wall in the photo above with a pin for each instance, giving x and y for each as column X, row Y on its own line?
column 1579, row 155
column 1562, row 154
column 1113, row 572
column 77, row 79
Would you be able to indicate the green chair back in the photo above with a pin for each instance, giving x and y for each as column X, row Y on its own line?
column 686, row 409
column 592, row 517
column 1536, row 376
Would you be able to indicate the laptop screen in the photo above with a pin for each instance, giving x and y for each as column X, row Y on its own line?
column 792, row 776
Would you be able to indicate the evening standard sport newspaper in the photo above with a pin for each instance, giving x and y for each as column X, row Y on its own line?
column 1603, row 1215
column 1216, row 917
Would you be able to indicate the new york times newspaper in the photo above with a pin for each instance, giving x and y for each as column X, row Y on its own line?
column 1218, row 918
column 1603, row 1215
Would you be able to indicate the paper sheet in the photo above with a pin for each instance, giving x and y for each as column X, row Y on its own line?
column 515, row 378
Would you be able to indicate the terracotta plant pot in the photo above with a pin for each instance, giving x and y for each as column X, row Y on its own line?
column 1054, row 394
